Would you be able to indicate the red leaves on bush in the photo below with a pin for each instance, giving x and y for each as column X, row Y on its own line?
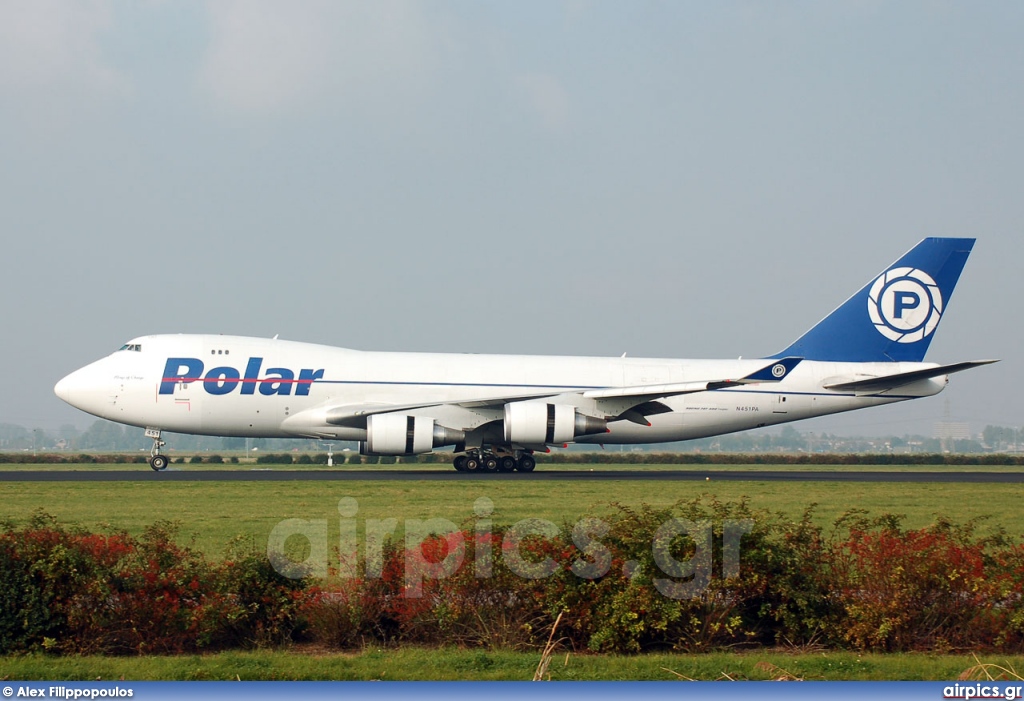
column 69, row 590
column 915, row 590
column 865, row 584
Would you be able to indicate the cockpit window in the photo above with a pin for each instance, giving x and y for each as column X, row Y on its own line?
column 131, row 347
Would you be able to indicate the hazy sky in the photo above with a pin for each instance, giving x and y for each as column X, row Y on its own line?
column 667, row 179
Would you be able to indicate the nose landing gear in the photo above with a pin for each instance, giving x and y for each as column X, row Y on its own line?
column 156, row 460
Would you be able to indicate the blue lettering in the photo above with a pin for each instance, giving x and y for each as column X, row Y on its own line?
column 252, row 371
column 180, row 370
column 306, row 378
column 220, row 380
column 282, row 384
column 224, row 379
column 905, row 300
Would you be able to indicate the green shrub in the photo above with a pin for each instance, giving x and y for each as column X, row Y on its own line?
column 274, row 459
column 866, row 583
column 68, row 590
column 269, row 603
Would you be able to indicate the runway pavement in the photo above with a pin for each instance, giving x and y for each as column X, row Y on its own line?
column 143, row 474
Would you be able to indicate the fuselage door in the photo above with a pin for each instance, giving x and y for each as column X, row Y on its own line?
column 781, row 405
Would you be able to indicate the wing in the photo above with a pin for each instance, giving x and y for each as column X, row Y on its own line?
column 636, row 403
column 613, row 403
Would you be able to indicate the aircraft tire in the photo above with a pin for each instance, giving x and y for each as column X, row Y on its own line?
column 460, row 463
column 471, row 465
column 526, row 463
column 490, row 464
column 158, row 462
column 507, row 464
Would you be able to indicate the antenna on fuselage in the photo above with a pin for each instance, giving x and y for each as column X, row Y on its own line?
column 275, row 336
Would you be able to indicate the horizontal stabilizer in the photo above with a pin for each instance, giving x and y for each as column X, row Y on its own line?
column 901, row 379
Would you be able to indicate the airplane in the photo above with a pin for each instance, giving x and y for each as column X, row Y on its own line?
column 498, row 411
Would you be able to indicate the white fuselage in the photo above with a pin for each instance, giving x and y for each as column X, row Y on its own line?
column 276, row 388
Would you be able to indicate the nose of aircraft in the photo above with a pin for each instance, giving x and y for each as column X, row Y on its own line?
column 65, row 387
column 73, row 389
column 92, row 389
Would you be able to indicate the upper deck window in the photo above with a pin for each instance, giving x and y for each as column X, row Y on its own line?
column 131, row 347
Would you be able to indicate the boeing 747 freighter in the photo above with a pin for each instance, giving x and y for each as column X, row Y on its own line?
column 496, row 411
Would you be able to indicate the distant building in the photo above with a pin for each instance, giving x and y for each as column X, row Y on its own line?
column 952, row 430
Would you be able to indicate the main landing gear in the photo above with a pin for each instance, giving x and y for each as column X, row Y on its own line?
column 485, row 461
column 156, row 460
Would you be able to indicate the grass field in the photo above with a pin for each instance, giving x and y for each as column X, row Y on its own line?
column 455, row 664
column 215, row 513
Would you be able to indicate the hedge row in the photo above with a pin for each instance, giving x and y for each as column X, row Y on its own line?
column 633, row 580
column 566, row 458
column 863, row 584
column 67, row 590
column 62, row 459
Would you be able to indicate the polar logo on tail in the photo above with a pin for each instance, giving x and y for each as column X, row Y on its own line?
column 905, row 305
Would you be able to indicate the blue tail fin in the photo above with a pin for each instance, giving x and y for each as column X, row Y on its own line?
column 894, row 317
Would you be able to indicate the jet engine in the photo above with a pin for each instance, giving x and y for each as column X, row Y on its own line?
column 538, row 423
column 400, row 434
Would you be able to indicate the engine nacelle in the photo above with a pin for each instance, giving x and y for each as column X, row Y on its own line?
column 538, row 423
column 400, row 434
